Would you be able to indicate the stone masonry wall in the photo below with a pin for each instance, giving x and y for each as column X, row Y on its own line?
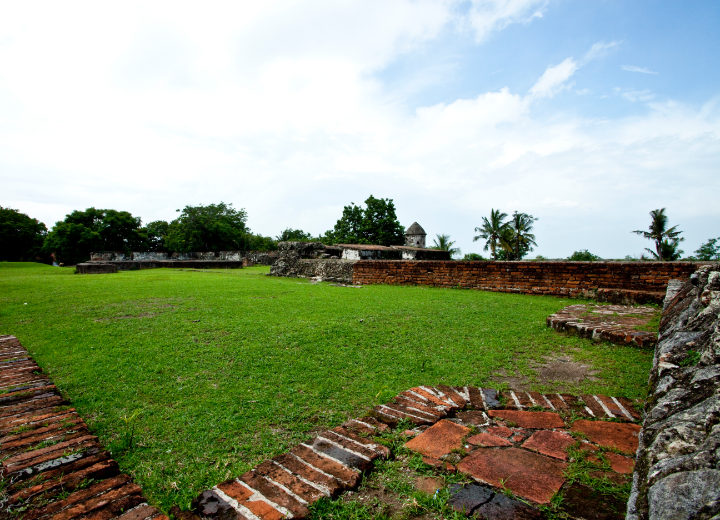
column 677, row 473
column 619, row 282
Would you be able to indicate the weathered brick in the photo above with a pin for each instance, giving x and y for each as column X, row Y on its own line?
column 325, row 481
column 274, row 493
column 79, row 497
column 451, row 394
column 378, row 449
column 476, row 398
column 345, row 474
column 272, row 471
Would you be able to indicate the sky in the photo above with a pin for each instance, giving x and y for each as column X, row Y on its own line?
column 584, row 114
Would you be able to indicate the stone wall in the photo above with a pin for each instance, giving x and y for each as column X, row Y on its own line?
column 677, row 473
column 618, row 282
column 312, row 260
column 153, row 259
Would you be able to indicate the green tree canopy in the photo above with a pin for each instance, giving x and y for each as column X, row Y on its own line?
column 21, row 237
column 83, row 232
column 666, row 239
column 444, row 243
column 583, row 256
column 215, row 227
column 374, row 224
column 710, row 250
column 156, row 233
column 294, row 235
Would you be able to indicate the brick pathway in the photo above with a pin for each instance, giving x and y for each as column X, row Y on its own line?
column 512, row 440
column 51, row 467
column 614, row 323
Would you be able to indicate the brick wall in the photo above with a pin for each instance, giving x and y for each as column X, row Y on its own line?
column 617, row 281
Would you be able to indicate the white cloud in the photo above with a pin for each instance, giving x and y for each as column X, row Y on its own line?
column 553, row 79
column 277, row 109
column 599, row 50
column 641, row 70
column 487, row 16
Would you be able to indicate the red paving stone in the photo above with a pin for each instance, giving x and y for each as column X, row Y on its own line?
column 550, row 443
column 440, row 439
column 500, row 431
column 524, row 419
column 620, row 463
column 621, row 436
column 527, row 474
column 488, row 440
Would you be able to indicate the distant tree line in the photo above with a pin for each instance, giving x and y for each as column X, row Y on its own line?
column 215, row 227
column 221, row 227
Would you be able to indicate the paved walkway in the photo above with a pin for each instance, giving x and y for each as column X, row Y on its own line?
column 619, row 324
column 510, row 443
column 515, row 445
column 51, row 466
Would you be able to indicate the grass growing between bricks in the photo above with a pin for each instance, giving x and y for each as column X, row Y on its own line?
column 191, row 377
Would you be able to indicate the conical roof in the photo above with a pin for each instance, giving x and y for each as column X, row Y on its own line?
column 415, row 229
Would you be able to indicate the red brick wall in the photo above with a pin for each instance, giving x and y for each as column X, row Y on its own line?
column 558, row 278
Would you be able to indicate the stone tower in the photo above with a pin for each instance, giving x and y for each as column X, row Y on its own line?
column 415, row 236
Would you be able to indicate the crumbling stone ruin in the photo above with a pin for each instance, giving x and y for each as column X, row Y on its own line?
column 336, row 263
column 677, row 473
column 113, row 261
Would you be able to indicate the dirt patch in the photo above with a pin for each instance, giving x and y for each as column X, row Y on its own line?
column 564, row 369
column 559, row 371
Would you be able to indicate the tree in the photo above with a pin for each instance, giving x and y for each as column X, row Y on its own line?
column 492, row 231
column 21, row 237
column 666, row 239
column 474, row 257
column 215, row 227
column 83, row 232
column 583, row 256
column 374, row 224
column 710, row 250
column 294, row 235
column 517, row 239
column 155, row 235
column 444, row 243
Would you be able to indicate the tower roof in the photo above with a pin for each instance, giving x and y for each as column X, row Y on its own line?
column 415, row 229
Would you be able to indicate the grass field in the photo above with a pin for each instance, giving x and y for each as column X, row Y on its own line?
column 190, row 377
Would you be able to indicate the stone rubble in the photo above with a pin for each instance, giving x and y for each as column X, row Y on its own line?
column 678, row 466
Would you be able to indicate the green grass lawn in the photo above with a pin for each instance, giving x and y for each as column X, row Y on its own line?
column 191, row 377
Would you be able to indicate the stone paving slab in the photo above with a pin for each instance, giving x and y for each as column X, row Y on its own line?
column 50, row 464
column 614, row 323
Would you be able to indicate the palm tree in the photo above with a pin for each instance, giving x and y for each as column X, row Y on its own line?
column 444, row 243
column 666, row 239
column 492, row 231
column 518, row 239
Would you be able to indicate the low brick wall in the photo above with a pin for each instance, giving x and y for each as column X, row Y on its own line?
column 619, row 282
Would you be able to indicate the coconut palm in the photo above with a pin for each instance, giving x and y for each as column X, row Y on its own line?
column 444, row 243
column 666, row 239
column 518, row 239
column 492, row 231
